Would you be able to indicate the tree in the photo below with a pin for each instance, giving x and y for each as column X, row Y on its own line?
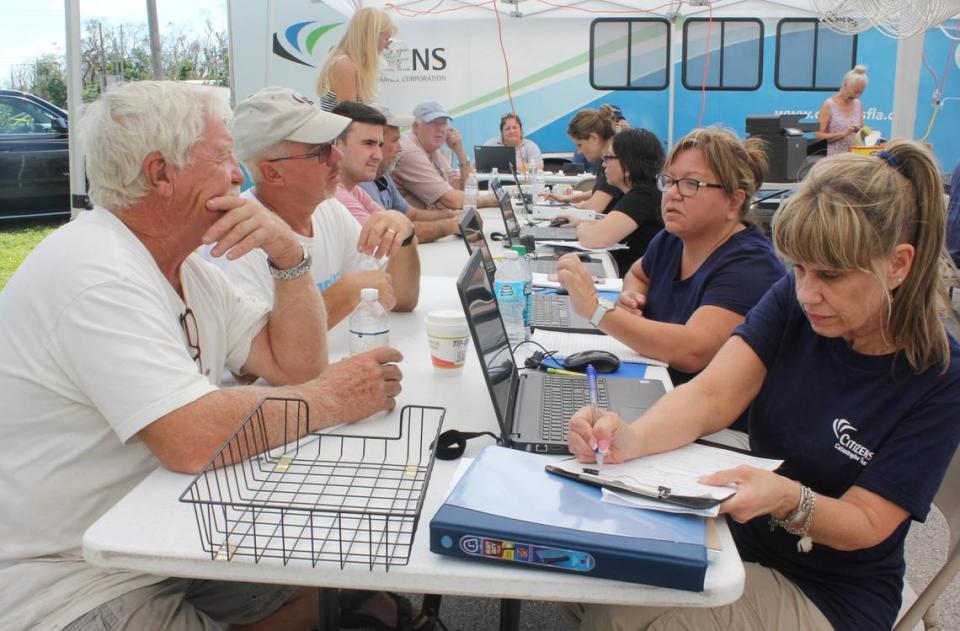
column 49, row 81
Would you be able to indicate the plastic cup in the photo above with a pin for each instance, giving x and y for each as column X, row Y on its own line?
column 449, row 339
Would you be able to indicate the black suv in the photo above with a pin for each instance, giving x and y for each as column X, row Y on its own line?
column 34, row 157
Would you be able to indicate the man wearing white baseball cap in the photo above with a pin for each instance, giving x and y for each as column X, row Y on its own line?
column 423, row 174
column 288, row 146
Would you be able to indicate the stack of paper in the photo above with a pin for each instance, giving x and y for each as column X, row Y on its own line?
column 602, row 284
column 677, row 470
column 576, row 245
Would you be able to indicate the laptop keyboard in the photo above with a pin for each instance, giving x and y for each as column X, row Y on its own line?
column 562, row 396
column 551, row 310
column 548, row 265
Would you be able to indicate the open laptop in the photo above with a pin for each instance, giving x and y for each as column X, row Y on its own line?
column 539, row 233
column 550, row 311
column 533, row 407
column 489, row 157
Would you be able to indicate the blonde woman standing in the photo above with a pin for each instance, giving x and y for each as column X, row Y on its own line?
column 351, row 71
column 841, row 116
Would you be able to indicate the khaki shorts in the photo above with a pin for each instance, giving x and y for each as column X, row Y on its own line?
column 769, row 602
column 182, row 604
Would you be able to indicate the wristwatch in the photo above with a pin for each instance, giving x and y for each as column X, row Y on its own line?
column 603, row 305
column 296, row 271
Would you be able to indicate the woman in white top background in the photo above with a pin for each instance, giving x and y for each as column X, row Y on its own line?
column 841, row 115
column 351, row 71
column 511, row 135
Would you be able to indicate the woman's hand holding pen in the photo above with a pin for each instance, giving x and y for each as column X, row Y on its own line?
column 610, row 434
column 574, row 277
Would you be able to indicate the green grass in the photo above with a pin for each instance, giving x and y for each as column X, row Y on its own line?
column 17, row 240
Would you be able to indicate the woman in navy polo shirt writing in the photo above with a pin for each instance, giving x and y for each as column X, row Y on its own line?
column 850, row 378
column 703, row 272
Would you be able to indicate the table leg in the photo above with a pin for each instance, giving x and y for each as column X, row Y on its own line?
column 329, row 603
column 509, row 614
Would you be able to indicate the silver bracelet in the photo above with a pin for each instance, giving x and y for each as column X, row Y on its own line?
column 799, row 521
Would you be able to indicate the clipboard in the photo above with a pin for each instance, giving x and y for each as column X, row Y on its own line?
column 658, row 493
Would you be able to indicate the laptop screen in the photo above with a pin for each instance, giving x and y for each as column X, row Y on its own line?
column 489, row 157
column 474, row 240
column 509, row 219
column 489, row 337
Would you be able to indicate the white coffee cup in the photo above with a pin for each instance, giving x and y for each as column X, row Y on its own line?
column 449, row 339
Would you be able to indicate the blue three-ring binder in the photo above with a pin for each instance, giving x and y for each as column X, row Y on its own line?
column 506, row 508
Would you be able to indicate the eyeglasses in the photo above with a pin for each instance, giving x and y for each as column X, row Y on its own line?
column 686, row 186
column 322, row 153
column 608, row 157
column 188, row 322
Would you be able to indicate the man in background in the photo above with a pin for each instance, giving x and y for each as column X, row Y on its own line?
column 423, row 174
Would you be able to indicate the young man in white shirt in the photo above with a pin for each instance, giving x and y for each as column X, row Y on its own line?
column 298, row 182
column 113, row 339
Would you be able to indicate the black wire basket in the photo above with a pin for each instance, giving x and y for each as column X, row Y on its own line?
column 322, row 498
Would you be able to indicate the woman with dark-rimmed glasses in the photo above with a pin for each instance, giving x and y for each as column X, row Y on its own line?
column 703, row 272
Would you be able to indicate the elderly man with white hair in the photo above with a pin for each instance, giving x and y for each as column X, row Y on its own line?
column 297, row 178
column 113, row 339
column 423, row 173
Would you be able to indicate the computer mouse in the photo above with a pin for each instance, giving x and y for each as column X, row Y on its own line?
column 559, row 221
column 603, row 361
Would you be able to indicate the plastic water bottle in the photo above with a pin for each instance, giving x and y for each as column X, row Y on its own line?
column 470, row 191
column 494, row 179
column 527, row 286
column 369, row 324
column 508, row 285
column 538, row 183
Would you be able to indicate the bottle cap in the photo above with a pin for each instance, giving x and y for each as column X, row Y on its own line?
column 369, row 293
column 511, row 255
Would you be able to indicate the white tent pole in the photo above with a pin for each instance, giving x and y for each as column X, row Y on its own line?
column 672, row 80
column 78, row 185
column 906, row 85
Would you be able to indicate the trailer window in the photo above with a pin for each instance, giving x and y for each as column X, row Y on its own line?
column 736, row 53
column 810, row 56
column 629, row 54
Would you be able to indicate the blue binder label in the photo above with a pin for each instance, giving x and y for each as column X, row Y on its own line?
column 526, row 553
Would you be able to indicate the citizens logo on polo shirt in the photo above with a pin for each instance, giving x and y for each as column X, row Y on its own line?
column 843, row 430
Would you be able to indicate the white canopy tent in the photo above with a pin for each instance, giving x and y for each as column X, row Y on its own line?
column 906, row 21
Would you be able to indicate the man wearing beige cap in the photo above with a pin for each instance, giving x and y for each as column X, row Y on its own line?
column 114, row 337
column 432, row 223
column 423, row 174
column 288, row 146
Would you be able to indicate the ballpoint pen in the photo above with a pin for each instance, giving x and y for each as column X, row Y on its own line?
column 594, row 408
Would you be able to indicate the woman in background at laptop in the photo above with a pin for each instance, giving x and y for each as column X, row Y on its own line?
column 511, row 135
column 352, row 69
column 704, row 271
column 850, row 379
column 592, row 132
column 632, row 166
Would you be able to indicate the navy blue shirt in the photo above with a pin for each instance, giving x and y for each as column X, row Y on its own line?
column 734, row 277
column 840, row 419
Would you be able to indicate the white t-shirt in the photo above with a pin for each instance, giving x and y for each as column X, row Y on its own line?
column 92, row 351
column 333, row 248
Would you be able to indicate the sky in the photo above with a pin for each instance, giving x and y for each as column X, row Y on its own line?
column 29, row 29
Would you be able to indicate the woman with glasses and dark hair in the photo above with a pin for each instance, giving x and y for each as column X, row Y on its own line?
column 847, row 375
column 703, row 272
column 511, row 135
column 632, row 165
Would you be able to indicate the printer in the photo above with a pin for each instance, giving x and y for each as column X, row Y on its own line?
column 786, row 146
